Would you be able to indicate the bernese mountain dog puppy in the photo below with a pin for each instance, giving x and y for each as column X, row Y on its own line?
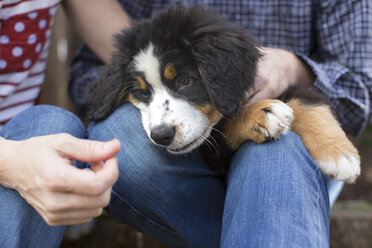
column 188, row 70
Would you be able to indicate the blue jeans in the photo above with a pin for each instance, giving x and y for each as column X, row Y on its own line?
column 273, row 195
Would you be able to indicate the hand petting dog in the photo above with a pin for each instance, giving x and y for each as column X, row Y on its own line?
column 278, row 70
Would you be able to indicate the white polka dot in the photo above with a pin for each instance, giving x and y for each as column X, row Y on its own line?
column 48, row 33
column 2, row 64
column 4, row 39
column 17, row 51
column 31, row 39
column 19, row 27
column 52, row 11
column 32, row 15
column 38, row 47
column 42, row 23
column 27, row 63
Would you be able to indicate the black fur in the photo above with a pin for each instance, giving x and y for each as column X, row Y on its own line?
column 226, row 55
column 307, row 96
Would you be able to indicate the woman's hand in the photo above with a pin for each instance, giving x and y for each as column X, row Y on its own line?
column 279, row 69
column 41, row 170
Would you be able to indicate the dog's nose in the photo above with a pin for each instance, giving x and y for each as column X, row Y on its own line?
column 163, row 135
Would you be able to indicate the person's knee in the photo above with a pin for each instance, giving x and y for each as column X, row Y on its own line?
column 43, row 120
column 274, row 147
column 124, row 121
column 137, row 152
column 286, row 156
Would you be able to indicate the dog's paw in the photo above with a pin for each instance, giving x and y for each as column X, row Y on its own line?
column 345, row 167
column 259, row 121
column 279, row 119
column 273, row 119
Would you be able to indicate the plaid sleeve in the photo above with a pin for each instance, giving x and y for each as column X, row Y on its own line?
column 342, row 61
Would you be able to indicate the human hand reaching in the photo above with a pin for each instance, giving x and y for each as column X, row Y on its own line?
column 279, row 69
column 41, row 170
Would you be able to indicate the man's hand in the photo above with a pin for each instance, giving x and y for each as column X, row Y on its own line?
column 41, row 170
column 278, row 70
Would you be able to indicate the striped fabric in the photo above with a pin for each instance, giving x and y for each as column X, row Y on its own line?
column 334, row 37
column 25, row 29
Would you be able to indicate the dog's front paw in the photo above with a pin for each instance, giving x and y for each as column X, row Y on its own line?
column 279, row 117
column 270, row 119
column 260, row 121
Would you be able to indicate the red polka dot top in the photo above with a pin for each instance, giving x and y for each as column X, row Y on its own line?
column 25, row 28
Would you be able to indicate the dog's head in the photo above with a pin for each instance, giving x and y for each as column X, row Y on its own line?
column 184, row 69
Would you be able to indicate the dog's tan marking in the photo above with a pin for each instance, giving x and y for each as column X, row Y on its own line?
column 200, row 72
column 132, row 99
column 142, row 84
column 210, row 112
column 320, row 131
column 122, row 96
column 170, row 72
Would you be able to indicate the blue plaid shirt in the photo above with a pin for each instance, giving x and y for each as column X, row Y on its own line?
column 334, row 37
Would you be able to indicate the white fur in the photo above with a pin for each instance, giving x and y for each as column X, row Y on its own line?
column 192, row 127
column 346, row 168
column 279, row 120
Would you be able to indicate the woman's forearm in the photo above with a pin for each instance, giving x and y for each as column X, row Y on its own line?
column 95, row 21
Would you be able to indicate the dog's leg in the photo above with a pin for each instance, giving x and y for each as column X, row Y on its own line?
column 314, row 123
column 325, row 140
column 260, row 121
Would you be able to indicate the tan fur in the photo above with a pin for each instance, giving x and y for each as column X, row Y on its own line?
column 170, row 72
column 142, row 84
column 250, row 124
column 320, row 131
column 121, row 96
column 199, row 70
column 315, row 124
column 210, row 112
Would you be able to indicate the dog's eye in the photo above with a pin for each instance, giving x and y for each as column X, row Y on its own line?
column 145, row 93
column 184, row 82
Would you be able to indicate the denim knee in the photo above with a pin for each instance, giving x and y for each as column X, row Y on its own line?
column 22, row 226
column 286, row 153
column 43, row 120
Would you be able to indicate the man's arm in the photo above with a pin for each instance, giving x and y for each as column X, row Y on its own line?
column 341, row 62
column 96, row 21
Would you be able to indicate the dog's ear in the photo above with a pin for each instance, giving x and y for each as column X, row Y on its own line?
column 227, row 58
column 102, row 94
column 110, row 89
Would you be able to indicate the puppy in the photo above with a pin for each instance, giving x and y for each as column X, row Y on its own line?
column 187, row 70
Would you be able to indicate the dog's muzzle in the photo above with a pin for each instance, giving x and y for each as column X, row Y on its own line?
column 163, row 135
